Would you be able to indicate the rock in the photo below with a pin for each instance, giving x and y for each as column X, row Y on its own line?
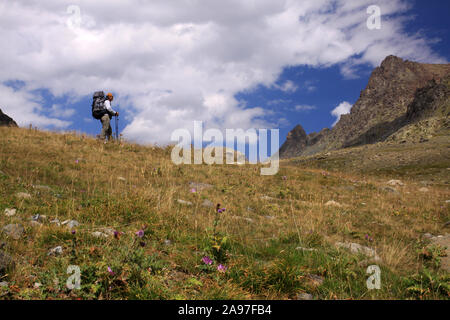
column 71, row 224
column 37, row 285
column 269, row 217
column 4, row 284
column 14, row 231
column 391, row 190
column 304, row 296
column 23, row 195
column 208, row 204
column 6, row 121
column 99, row 234
column 305, row 249
column 10, row 212
column 167, row 242
column 395, row 183
column 121, row 179
column 357, row 248
column 315, row 279
column 447, row 201
column 39, row 218
column 6, row 263
column 428, row 236
column 267, row 198
column 45, row 188
column 56, row 221
column 35, row 223
column 444, row 242
column 55, row 251
column 333, row 203
column 108, row 231
column 200, row 186
column 187, row 203
column 424, row 189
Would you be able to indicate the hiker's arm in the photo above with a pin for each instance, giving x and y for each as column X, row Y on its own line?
column 108, row 107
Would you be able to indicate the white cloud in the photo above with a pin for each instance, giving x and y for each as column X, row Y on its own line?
column 172, row 62
column 342, row 108
column 305, row 108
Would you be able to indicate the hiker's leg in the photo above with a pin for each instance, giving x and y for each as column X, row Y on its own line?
column 105, row 126
column 109, row 132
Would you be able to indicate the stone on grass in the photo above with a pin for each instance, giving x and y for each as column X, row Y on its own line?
column 424, row 189
column 443, row 241
column 333, row 203
column 35, row 223
column 6, row 263
column 4, row 284
column 56, row 221
column 10, row 212
column 71, row 224
column 198, row 186
column 187, row 203
column 14, row 231
column 357, row 248
column 23, row 195
column 99, row 234
column 395, row 183
column 121, row 179
column 207, row 203
column 304, row 296
column 55, row 251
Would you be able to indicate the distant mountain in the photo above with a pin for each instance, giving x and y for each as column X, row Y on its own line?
column 6, row 121
column 399, row 93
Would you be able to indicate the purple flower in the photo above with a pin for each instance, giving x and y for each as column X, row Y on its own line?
column 284, row 178
column 110, row 271
column 221, row 210
column 76, row 161
column 73, row 232
column 140, row 233
column 207, row 260
column 193, row 190
column 221, row 268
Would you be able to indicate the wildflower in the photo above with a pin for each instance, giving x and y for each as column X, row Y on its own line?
column 193, row 190
column 221, row 210
column 142, row 244
column 110, row 271
column 73, row 232
column 207, row 260
column 76, row 161
column 140, row 233
column 221, row 268
column 284, row 178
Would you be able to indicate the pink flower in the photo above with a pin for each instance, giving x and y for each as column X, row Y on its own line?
column 207, row 260
column 193, row 190
column 140, row 233
column 110, row 271
column 221, row 268
column 76, row 161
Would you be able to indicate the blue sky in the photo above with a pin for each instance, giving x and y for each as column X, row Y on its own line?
column 225, row 70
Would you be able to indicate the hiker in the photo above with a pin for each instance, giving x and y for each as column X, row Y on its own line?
column 103, row 112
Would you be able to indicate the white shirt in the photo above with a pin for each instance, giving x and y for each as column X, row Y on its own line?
column 108, row 106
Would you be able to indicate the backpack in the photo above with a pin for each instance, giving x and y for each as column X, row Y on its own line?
column 98, row 105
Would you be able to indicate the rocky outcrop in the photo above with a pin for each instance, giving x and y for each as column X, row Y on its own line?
column 397, row 91
column 6, row 121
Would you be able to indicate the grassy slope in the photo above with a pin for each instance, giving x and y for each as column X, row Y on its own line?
column 260, row 253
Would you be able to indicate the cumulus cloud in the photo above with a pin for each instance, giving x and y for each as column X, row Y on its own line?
column 172, row 62
column 342, row 108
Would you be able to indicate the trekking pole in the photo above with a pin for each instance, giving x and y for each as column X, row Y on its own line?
column 117, row 128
